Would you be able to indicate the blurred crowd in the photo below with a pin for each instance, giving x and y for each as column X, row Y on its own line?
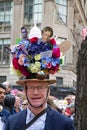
column 11, row 102
column 65, row 106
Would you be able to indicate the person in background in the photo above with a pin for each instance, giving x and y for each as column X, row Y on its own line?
column 9, row 102
column 72, row 109
column 7, row 86
column 2, row 94
column 17, row 105
column 37, row 92
column 4, row 113
column 52, row 104
column 69, row 100
column 67, row 110
column 24, row 104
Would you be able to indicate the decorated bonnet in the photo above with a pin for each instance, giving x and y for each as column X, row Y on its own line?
column 33, row 58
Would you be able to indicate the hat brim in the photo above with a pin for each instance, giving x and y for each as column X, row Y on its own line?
column 22, row 82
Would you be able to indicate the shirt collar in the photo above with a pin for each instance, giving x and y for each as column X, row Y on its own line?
column 31, row 115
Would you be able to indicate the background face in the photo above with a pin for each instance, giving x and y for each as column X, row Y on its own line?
column 46, row 36
column 2, row 95
column 24, row 33
column 37, row 96
column 17, row 102
column 8, row 89
column 24, row 104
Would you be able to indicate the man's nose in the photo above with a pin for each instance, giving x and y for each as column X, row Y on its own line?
column 35, row 90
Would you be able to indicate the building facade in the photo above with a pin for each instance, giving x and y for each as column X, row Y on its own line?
column 66, row 17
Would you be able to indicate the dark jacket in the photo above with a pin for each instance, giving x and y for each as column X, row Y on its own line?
column 54, row 121
column 4, row 114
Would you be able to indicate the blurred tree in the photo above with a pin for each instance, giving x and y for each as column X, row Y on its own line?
column 81, row 94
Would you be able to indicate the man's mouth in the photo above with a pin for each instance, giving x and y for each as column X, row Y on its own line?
column 36, row 98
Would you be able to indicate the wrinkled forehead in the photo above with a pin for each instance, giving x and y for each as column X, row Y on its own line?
column 36, row 83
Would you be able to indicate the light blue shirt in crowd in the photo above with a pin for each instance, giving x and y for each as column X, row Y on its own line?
column 2, row 124
column 39, row 124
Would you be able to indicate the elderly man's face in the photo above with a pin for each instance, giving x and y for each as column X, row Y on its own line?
column 37, row 93
column 2, row 95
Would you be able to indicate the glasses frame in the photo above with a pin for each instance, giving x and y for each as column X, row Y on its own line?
column 39, row 88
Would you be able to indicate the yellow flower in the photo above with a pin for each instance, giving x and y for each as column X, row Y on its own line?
column 34, row 68
column 13, row 71
column 37, row 57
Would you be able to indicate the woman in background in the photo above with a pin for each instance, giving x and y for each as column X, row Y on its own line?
column 9, row 103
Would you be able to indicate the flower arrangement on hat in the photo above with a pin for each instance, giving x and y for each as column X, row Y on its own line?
column 29, row 58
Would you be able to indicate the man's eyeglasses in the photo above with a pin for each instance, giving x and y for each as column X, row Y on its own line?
column 37, row 87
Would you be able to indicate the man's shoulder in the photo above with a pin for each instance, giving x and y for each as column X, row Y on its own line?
column 56, row 120
column 58, row 116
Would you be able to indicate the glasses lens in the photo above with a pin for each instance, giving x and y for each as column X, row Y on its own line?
column 37, row 87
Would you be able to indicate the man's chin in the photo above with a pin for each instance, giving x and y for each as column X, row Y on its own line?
column 36, row 105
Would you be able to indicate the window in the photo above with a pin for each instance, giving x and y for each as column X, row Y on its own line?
column 62, row 9
column 4, row 54
column 2, row 79
column 59, row 81
column 6, row 12
column 33, row 11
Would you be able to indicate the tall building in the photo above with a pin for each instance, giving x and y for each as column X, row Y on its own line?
column 66, row 17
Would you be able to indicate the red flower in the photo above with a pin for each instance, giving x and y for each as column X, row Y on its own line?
column 33, row 40
column 53, row 41
column 56, row 53
column 48, row 65
column 54, row 69
column 22, row 69
column 15, row 63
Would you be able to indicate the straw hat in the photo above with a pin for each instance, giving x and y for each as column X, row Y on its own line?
column 23, row 81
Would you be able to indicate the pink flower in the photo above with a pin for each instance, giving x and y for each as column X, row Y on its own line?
column 56, row 53
column 21, row 59
column 22, row 69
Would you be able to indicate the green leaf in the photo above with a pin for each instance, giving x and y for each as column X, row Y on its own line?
column 18, row 40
